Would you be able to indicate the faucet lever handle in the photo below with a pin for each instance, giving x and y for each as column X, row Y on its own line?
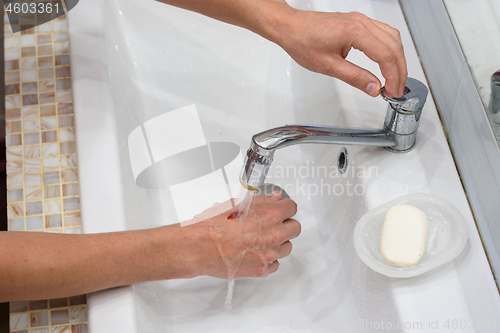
column 413, row 99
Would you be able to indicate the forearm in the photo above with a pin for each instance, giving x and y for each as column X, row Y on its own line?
column 267, row 18
column 40, row 266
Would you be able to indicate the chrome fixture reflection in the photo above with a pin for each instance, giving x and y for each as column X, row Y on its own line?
column 398, row 134
column 495, row 97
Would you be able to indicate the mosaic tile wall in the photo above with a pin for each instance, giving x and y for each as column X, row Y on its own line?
column 42, row 175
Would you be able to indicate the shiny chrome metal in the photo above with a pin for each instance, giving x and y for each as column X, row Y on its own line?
column 495, row 97
column 403, row 114
column 398, row 134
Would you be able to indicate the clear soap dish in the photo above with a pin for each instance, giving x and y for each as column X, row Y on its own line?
column 446, row 235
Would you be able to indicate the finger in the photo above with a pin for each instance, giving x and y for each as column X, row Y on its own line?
column 284, row 250
column 381, row 53
column 278, row 211
column 394, row 39
column 271, row 268
column 283, row 232
column 356, row 76
column 292, row 228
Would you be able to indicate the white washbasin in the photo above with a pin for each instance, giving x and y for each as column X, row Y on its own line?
column 136, row 60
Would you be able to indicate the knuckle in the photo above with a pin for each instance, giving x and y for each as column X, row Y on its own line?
column 354, row 79
column 358, row 16
column 269, row 257
column 277, row 238
column 396, row 34
column 388, row 57
column 356, row 27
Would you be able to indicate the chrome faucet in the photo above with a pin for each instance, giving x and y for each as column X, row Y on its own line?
column 398, row 134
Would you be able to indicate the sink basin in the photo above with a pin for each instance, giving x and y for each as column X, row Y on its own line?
column 135, row 61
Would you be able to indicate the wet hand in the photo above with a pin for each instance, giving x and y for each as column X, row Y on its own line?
column 321, row 41
column 250, row 245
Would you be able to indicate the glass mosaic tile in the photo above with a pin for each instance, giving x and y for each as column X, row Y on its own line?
column 50, row 150
column 58, row 303
column 33, row 193
column 34, row 223
column 34, row 208
column 39, row 318
column 31, row 125
column 44, row 50
column 12, row 114
column 67, row 134
column 46, row 85
column 31, row 138
column 12, row 77
column 61, row 48
column 12, row 89
column 13, row 127
column 32, row 179
column 32, row 151
column 28, row 63
column 52, row 206
column 52, row 191
column 53, row 221
column 68, row 148
column 18, row 306
column 40, row 126
column 32, row 165
column 69, row 175
column 70, row 190
column 12, row 101
column 15, row 210
column 71, row 204
column 50, row 163
column 28, row 75
column 30, row 112
column 14, row 181
column 49, row 136
column 46, row 73
column 78, row 314
column 48, row 123
column 60, row 317
column 29, row 87
column 14, row 153
column 72, row 219
column 15, row 167
column 63, row 71
column 64, row 97
column 16, row 224
column 68, row 161
column 66, row 121
column 13, row 140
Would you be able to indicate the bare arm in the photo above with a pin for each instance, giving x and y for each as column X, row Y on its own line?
column 317, row 41
column 42, row 265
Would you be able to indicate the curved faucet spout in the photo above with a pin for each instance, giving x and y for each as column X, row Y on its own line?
column 398, row 134
column 297, row 134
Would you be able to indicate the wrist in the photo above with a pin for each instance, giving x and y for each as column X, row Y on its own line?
column 272, row 20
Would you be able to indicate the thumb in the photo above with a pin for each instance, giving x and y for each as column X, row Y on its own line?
column 357, row 77
column 274, row 196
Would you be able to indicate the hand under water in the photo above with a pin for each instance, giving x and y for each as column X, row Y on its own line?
column 250, row 245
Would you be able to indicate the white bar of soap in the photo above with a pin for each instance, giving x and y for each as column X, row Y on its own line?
column 403, row 235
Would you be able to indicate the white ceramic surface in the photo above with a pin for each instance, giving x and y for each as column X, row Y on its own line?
column 135, row 60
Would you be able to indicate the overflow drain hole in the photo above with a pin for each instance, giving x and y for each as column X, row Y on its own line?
column 342, row 160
